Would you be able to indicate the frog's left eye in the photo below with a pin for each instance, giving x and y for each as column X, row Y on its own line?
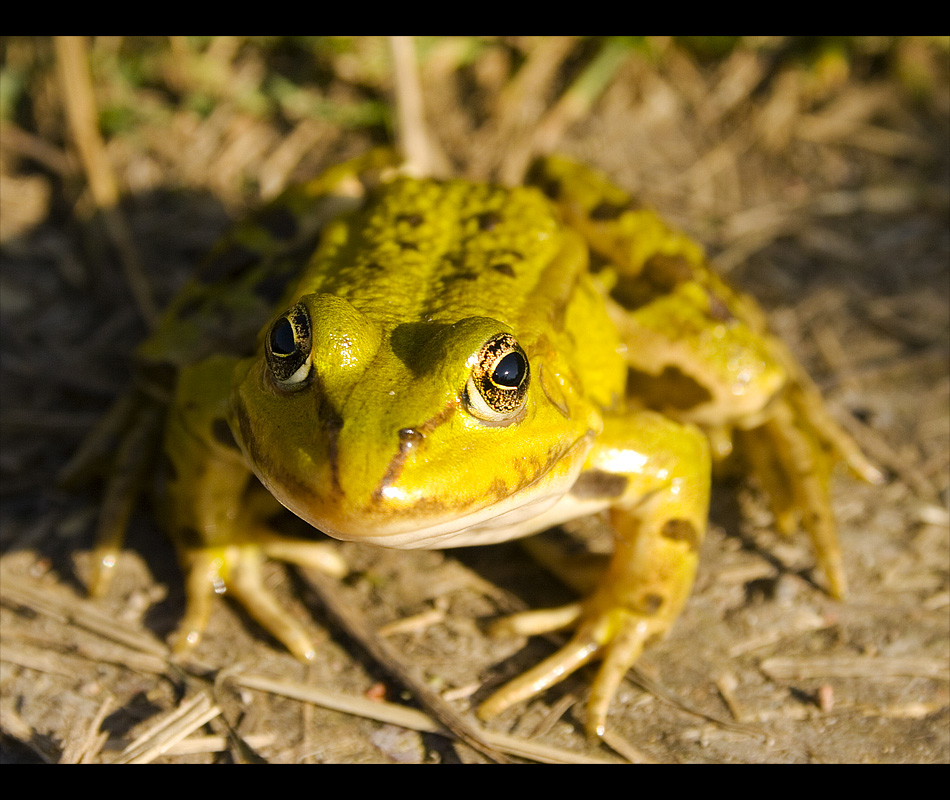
column 287, row 348
column 498, row 386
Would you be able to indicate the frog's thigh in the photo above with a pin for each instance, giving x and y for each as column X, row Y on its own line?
column 658, row 472
column 126, row 479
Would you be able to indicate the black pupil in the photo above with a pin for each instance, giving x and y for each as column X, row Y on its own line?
column 282, row 338
column 510, row 370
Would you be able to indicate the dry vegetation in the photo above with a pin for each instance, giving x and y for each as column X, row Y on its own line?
column 816, row 171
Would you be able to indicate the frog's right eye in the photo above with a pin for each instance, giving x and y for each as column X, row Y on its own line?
column 287, row 348
column 498, row 386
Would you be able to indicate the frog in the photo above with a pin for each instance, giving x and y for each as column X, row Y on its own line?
column 419, row 363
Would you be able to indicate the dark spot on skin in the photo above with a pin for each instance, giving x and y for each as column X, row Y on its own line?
column 659, row 276
column 552, row 188
column 504, row 269
column 488, row 221
column 666, row 271
column 597, row 484
column 222, row 433
column 279, row 222
column 605, row 211
column 498, row 490
column 231, row 263
column 671, row 389
column 536, row 176
column 681, row 530
column 190, row 537
column 718, row 310
column 414, row 220
column 650, row 603
column 461, row 275
column 333, row 424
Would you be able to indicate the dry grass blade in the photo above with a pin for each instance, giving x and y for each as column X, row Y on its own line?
column 648, row 684
column 216, row 744
column 571, row 107
column 388, row 657
column 62, row 604
column 72, row 57
column 159, row 738
column 799, row 668
column 83, row 749
column 421, row 159
column 43, row 662
column 408, row 718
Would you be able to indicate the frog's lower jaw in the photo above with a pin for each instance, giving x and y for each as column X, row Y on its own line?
column 488, row 526
column 431, row 523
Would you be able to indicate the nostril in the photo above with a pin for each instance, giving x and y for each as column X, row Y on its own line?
column 409, row 438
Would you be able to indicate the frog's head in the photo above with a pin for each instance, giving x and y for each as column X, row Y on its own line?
column 406, row 436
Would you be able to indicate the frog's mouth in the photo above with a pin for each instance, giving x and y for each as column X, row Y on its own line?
column 420, row 520
column 404, row 512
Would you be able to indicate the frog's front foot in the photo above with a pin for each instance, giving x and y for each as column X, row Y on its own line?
column 605, row 630
column 238, row 570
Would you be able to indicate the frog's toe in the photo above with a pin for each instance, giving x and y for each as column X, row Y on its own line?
column 615, row 635
column 532, row 623
column 202, row 582
column 247, row 585
column 793, row 465
column 623, row 651
column 554, row 668
column 322, row 556
column 238, row 571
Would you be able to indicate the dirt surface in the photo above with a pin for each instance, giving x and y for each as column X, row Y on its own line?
column 818, row 175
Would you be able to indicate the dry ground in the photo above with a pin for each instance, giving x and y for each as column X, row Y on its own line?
column 820, row 180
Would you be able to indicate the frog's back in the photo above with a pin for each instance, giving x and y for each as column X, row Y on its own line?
column 440, row 251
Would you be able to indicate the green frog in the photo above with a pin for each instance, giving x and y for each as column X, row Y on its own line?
column 427, row 364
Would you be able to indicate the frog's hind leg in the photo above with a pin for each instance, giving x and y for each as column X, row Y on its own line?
column 126, row 439
column 792, row 454
column 794, row 471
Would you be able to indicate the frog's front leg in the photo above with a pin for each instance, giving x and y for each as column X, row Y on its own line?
column 654, row 474
column 217, row 514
